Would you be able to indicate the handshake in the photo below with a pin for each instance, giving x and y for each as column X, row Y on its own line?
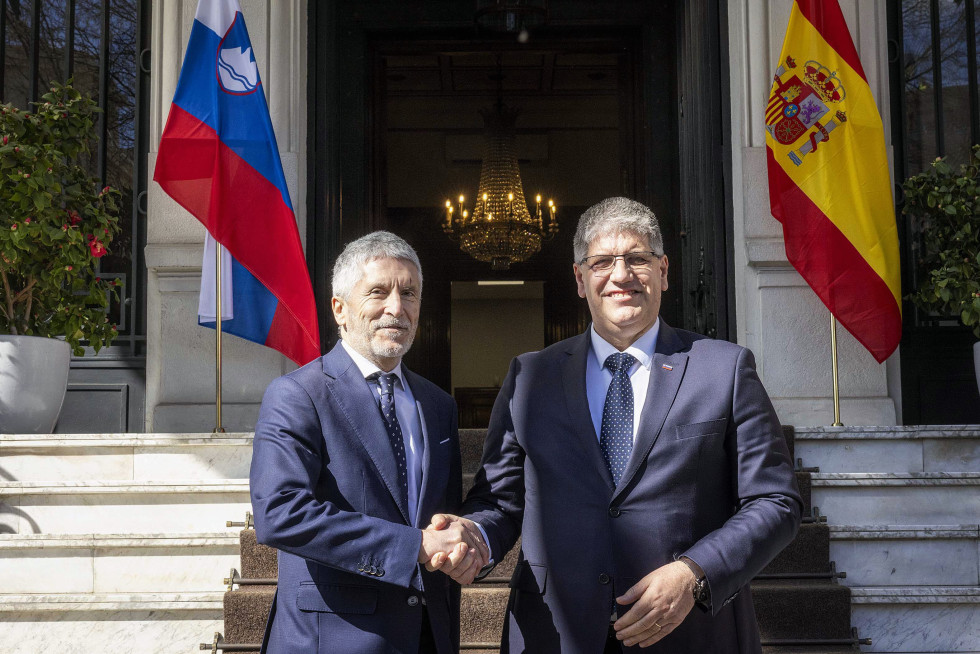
column 455, row 546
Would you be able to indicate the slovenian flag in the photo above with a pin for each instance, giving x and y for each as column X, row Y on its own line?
column 829, row 183
column 219, row 160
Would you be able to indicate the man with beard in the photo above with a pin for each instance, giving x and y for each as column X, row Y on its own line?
column 352, row 453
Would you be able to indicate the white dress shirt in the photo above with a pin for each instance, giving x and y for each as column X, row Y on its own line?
column 598, row 377
column 408, row 420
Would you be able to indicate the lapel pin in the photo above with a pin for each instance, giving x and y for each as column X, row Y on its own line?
column 667, row 367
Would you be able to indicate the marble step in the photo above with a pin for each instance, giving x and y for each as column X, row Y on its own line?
column 115, row 563
column 944, row 448
column 919, row 498
column 134, row 457
column 786, row 610
column 114, row 507
column 914, row 619
column 69, row 623
column 907, row 555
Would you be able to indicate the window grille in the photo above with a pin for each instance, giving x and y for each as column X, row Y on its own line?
column 102, row 45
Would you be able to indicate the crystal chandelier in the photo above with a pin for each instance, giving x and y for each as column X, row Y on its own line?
column 500, row 229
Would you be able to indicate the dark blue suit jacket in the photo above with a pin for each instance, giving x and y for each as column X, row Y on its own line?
column 323, row 488
column 709, row 477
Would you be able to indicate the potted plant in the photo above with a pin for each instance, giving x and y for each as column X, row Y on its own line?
column 945, row 205
column 55, row 224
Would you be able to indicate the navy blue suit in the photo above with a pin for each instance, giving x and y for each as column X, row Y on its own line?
column 324, row 486
column 709, row 477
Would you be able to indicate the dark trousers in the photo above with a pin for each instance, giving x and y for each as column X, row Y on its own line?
column 613, row 646
column 427, row 642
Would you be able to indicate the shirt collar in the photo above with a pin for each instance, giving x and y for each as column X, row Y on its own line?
column 367, row 367
column 642, row 348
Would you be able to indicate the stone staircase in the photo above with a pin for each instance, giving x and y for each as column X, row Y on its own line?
column 801, row 607
column 119, row 542
column 903, row 506
column 114, row 542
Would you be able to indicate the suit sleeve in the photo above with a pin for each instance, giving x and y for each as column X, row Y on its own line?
column 496, row 501
column 287, row 460
column 769, row 505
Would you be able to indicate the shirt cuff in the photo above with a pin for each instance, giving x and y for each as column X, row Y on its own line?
column 483, row 532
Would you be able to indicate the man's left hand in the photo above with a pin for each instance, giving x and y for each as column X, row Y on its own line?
column 661, row 601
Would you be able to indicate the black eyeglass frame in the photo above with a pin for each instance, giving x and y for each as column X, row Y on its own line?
column 584, row 261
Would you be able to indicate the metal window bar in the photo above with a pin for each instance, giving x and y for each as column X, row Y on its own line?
column 971, row 66
column 3, row 45
column 937, row 77
column 35, row 48
column 69, row 38
column 104, row 93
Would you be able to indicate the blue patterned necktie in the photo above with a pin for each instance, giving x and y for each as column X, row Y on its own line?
column 387, row 382
column 616, row 437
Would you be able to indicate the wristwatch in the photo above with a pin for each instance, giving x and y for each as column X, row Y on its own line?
column 701, row 590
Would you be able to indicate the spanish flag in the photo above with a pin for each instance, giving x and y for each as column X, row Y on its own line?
column 829, row 183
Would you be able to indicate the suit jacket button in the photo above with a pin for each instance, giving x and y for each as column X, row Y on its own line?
column 413, row 601
column 603, row 578
column 373, row 570
column 614, row 511
column 381, row 572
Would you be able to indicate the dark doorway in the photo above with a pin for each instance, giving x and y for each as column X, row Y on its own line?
column 397, row 89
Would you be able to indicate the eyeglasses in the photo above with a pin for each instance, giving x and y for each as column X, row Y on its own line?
column 600, row 263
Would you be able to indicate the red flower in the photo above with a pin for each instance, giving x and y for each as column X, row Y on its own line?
column 13, row 227
column 74, row 218
column 5, row 139
column 98, row 250
column 27, row 220
column 64, row 227
column 68, row 268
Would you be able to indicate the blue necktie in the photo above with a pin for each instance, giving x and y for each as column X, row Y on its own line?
column 616, row 437
column 387, row 383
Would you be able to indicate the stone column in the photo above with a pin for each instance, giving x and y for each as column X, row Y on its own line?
column 778, row 315
column 180, row 366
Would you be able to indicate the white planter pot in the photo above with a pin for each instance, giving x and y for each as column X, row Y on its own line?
column 33, row 381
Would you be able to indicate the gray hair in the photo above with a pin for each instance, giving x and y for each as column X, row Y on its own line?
column 617, row 216
column 349, row 267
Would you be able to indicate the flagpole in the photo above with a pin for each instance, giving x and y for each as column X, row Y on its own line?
column 218, row 429
column 833, row 353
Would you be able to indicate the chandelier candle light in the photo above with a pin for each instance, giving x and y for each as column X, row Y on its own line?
column 500, row 229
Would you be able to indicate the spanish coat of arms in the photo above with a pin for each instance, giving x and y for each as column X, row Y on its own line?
column 798, row 107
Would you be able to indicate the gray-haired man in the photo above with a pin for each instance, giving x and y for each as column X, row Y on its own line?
column 352, row 453
column 643, row 465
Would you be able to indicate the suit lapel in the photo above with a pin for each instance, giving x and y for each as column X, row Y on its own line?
column 577, row 403
column 354, row 398
column 435, row 456
column 666, row 373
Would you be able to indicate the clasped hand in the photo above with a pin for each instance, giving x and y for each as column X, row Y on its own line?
column 455, row 546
